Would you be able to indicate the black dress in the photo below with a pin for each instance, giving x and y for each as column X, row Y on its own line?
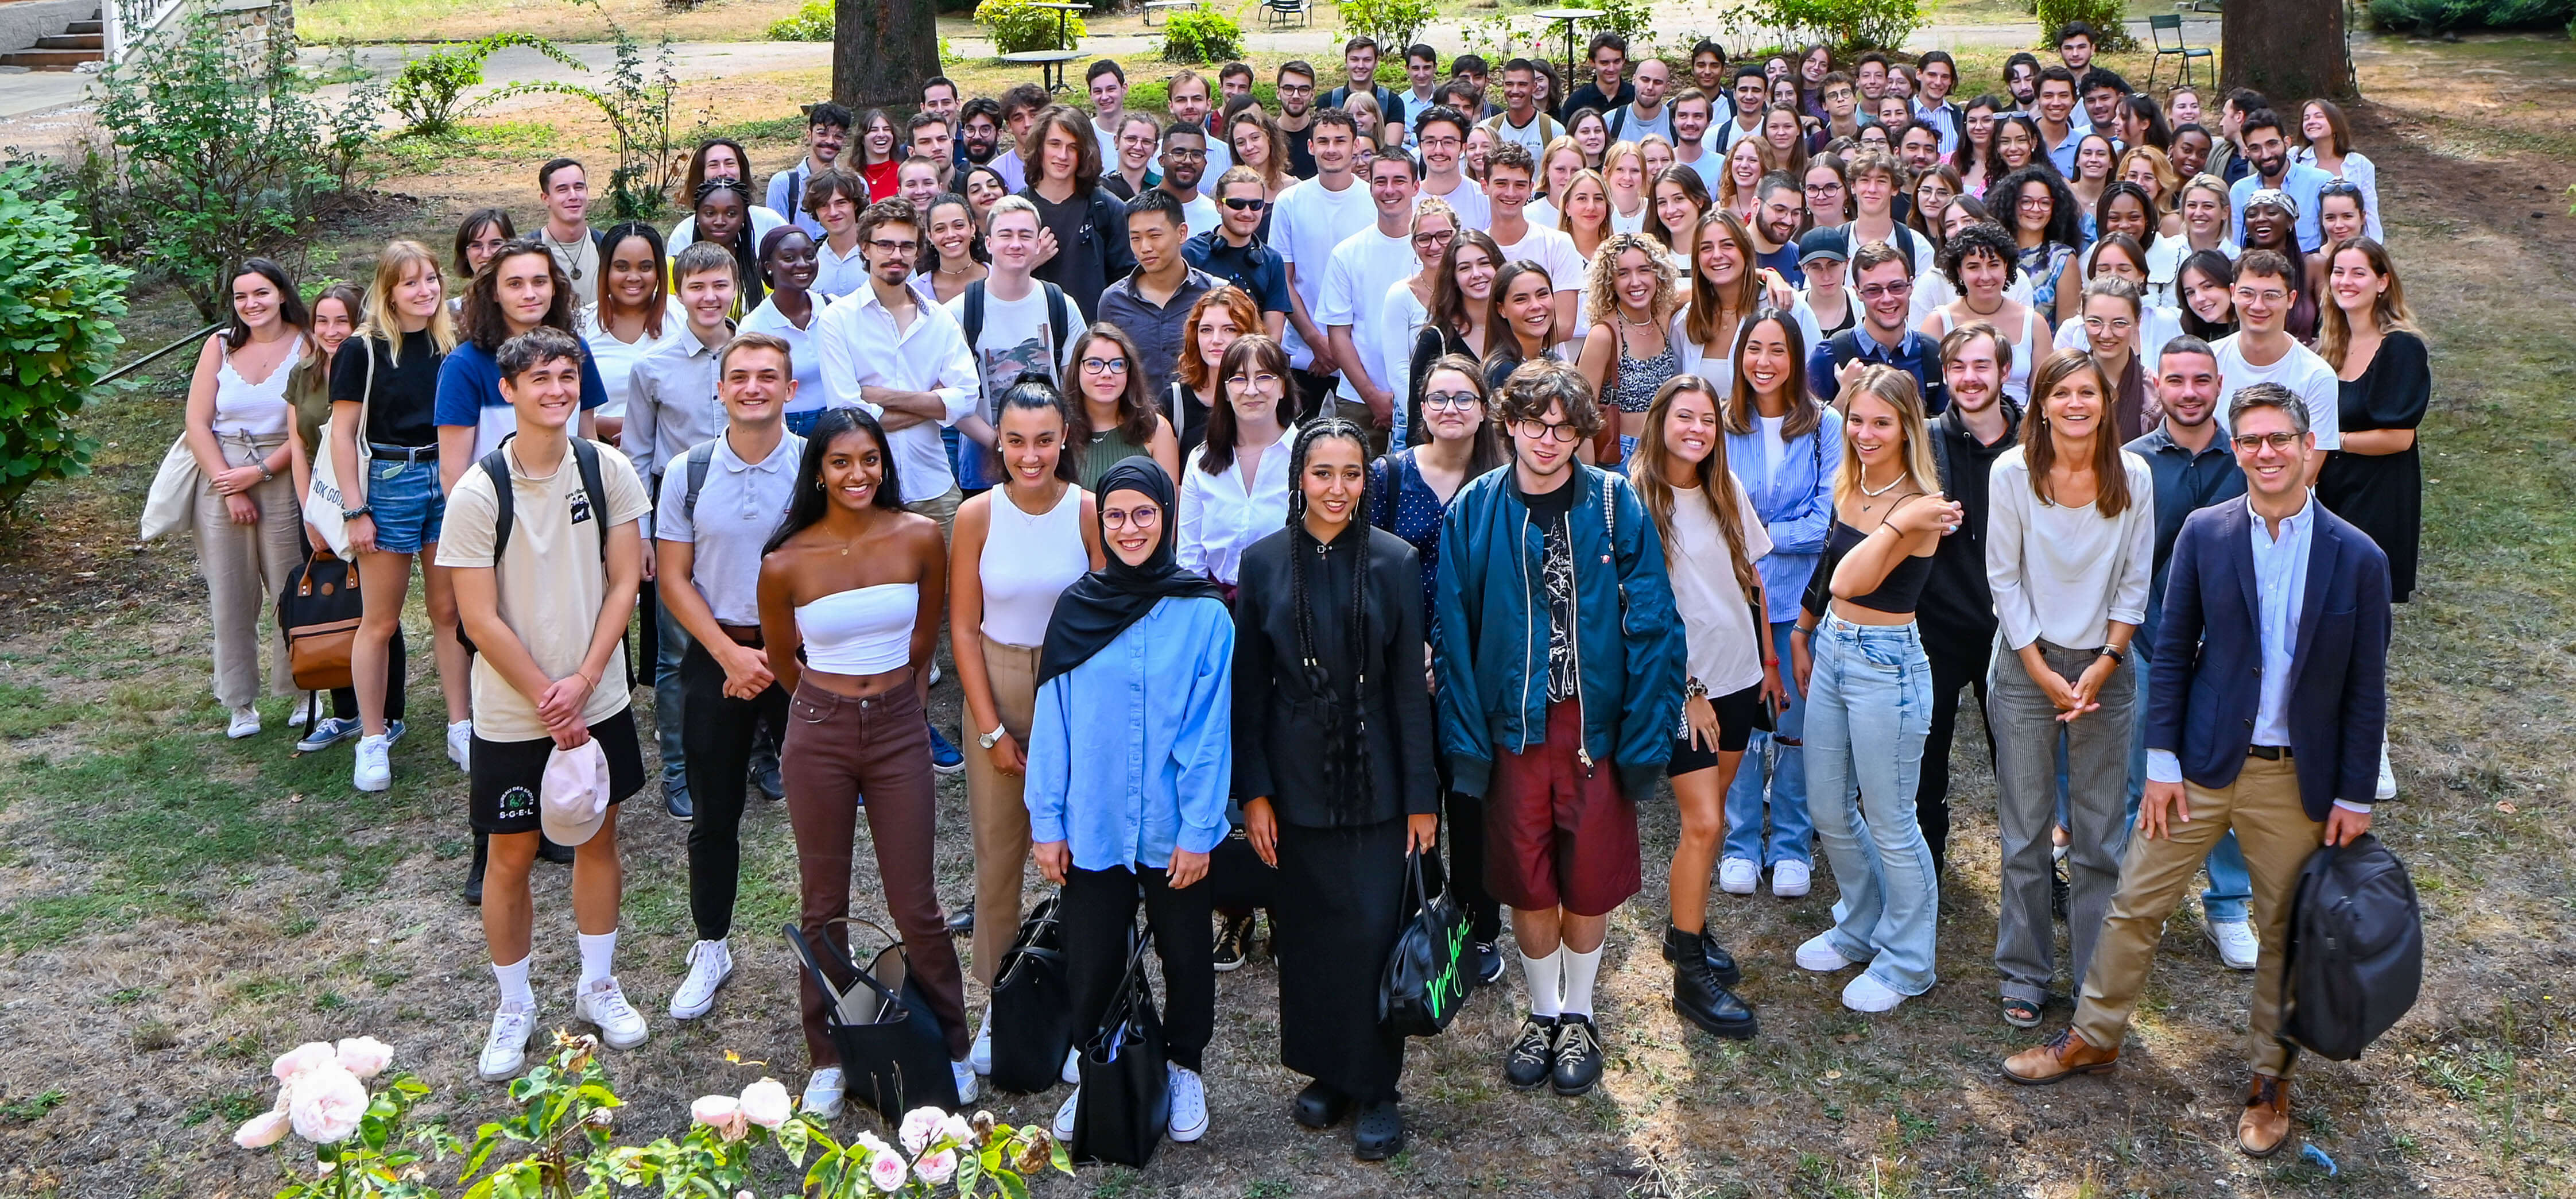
column 1341, row 887
column 2383, row 494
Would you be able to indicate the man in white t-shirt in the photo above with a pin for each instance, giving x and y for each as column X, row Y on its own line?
column 1441, row 135
column 2262, row 350
column 1309, row 221
column 1508, row 172
column 1363, row 267
column 1018, row 331
column 1693, row 113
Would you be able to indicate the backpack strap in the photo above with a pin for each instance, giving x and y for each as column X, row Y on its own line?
column 701, row 457
column 974, row 314
column 496, row 465
column 586, row 456
column 1058, row 318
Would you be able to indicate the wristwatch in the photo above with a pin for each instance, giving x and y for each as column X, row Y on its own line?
column 348, row 514
column 2113, row 654
column 1693, row 689
column 988, row 740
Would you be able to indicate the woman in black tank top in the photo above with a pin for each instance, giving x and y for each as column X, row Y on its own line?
column 1869, row 693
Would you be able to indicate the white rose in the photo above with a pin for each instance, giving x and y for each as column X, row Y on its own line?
column 263, row 1130
column 364, row 1056
column 956, row 1131
column 936, row 1168
column 328, row 1104
column 722, row 1113
column 302, row 1058
column 920, row 1126
column 766, row 1104
column 887, row 1170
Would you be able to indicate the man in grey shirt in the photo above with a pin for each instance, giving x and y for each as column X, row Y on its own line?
column 1152, row 304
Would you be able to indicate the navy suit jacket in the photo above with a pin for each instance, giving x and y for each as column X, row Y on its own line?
column 2209, row 658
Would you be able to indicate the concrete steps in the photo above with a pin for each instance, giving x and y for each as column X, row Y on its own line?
column 80, row 42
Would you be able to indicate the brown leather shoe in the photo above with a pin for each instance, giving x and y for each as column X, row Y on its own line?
column 2062, row 1057
column 2265, row 1127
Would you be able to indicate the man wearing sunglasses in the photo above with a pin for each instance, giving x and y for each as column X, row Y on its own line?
column 1233, row 253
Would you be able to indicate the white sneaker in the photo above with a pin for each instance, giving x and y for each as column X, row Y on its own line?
column 603, row 1004
column 1819, row 955
column 1866, row 994
column 1738, row 876
column 934, row 673
column 2237, row 943
column 1063, row 1126
column 295, row 715
column 460, row 743
column 374, row 771
column 1189, row 1104
column 2387, row 788
column 1072, row 1071
column 710, row 964
column 823, row 1095
column 244, row 723
column 964, row 1074
column 1789, row 879
column 981, row 1056
column 505, row 1049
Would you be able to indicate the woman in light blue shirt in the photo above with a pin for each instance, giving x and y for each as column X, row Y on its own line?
column 1130, row 759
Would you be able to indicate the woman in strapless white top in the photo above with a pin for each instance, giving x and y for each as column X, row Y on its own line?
column 247, row 521
column 858, row 584
column 1014, row 549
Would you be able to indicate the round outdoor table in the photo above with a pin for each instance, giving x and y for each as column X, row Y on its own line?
column 1064, row 22
column 1050, row 64
column 1571, row 17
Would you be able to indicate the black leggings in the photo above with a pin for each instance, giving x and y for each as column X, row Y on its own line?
column 1956, row 662
column 719, row 735
column 1098, row 914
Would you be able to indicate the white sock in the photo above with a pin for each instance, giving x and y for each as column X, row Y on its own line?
column 1540, row 974
column 2387, row 777
column 514, row 984
column 598, row 955
column 1580, row 970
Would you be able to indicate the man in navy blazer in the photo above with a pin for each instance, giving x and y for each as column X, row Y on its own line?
column 2265, row 715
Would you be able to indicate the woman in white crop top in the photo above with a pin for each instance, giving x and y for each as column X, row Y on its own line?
column 858, row 584
column 247, row 520
column 1014, row 549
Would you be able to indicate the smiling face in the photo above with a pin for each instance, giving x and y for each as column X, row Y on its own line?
column 1975, row 375
column 2013, row 145
column 1013, row 241
column 918, row 182
column 1675, row 208
column 722, row 163
column 1132, row 523
column 255, row 301
column 332, row 324
column 2111, row 325
column 1783, row 210
column 524, row 286
column 1764, row 360
column 1431, row 237
column 1059, row 156
column 1451, row 406
column 2340, row 217
column 983, row 190
column 853, row 467
column 2190, row 153
column 2273, row 456
column 1690, row 426
column 952, row 231
column 1636, row 281
column 2204, row 213
column 1545, row 447
column 1984, row 276
column 981, row 136
column 2355, row 282
column 1474, row 271
column 1108, row 93
column 1137, row 141
column 1876, row 432
column 1104, row 369
column 1254, row 393
column 791, row 264
column 1719, row 259
column 421, row 291
column 1031, row 441
column 2209, row 299
column 1296, row 94
column 2267, row 228
column 1652, row 158
column 1744, row 166
column 2075, row 405
column 2187, row 387
column 1334, row 476
column 2033, row 207
column 1626, row 174
column 1529, row 307
column 721, row 216
column 632, row 269
column 1932, row 198
column 2093, row 159
column 837, row 214
column 1586, row 203
column 756, row 384
column 567, row 194
column 2125, row 215
column 706, row 296
column 546, row 395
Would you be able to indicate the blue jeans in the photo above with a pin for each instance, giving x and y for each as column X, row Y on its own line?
column 408, row 505
column 1785, row 765
column 671, row 643
column 1869, row 708
column 2231, row 885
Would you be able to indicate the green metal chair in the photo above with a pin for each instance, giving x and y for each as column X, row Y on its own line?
column 2159, row 28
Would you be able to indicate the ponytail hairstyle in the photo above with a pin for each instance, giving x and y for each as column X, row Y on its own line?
column 1347, row 774
column 1034, row 391
column 2039, row 450
column 1717, row 485
column 806, row 506
column 745, row 250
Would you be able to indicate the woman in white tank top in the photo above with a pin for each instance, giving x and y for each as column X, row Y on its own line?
column 1981, row 262
column 1013, row 550
column 247, row 520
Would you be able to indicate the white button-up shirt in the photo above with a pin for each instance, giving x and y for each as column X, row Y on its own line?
column 1223, row 514
column 739, row 506
column 837, row 275
column 861, row 347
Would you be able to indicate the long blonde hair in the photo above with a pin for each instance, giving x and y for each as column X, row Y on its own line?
column 381, row 322
column 2389, row 313
column 1601, row 281
column 1717, row 485
column 1897, row 388
column 1565, row 211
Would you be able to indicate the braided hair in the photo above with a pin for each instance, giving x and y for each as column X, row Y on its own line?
column 1347, row 769
column 744, row 248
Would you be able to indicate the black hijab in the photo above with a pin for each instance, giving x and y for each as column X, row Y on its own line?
column 1100, row 605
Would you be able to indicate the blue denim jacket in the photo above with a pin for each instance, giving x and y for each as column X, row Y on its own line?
column 1131, row 753
column 1797, row 506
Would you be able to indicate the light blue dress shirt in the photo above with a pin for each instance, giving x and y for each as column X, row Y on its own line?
column 1131, row 754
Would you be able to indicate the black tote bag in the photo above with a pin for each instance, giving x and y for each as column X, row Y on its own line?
column 894, row 1056
column 1426, row 979
column 1126, row 1100
column 1032, row 1005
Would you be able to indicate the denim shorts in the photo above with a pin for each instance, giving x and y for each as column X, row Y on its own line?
column 408, row 505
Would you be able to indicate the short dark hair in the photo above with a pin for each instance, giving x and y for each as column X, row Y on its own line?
column 2246, row 99
column 828, row 112
column 2261, row 118
column 938, row 81
column 1749, row 70
column 1519, row 64
column 533, row 349
column 1422, row 50
column 475, row 222
column 2270, row 264
column 1362, row 42
column 895, row 211
column 1875, row 56
column 2072, row 30
column 1605, row 40
column 980, row 106
column 1155, row 199
column 2098, row 78
column 2020, row 58
column 1708, row 45
column 2267, row 395
column 546, row 173
column 1339, row 118
column 832, row 181
column 2058, row 75
column 1928, row 57
column 913, row 123
column 1104, row 66
column 1455, row 94
column 1443, row 114
column 2188, row 344
column 1468, row 64
column 1023, row 97
column 1508, row 153
column 1185, row 129
column 1294, row 66
column 1412, row 165
column 1233, row 69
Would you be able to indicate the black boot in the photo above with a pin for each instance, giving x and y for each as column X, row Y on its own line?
column 1698, row 995
column 548, row 850
column 474, row 873
column 1720, row 962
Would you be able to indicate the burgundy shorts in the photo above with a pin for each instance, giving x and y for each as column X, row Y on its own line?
column 1555, row 833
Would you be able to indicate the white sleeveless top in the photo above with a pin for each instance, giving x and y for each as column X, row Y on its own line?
column 862, row 631
column 2017, row 382
column 1028, row 561
column 257, row 409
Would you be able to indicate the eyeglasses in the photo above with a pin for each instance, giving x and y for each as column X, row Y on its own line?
column 1263, row 380
column 2119, row 325
column 1462, row 401
column 1142, row 518
column 2278, row 443
column 1246, row 203
column 2028, row 203
column 1434, row 238
column 1104, row 366
column 1296, row 89
column 1878, row 290
column 1177, row 152
column 891, row 246
column 1817, row 189
column 1558, row 431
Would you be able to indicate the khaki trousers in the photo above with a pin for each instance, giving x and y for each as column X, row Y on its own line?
column 245, row 567
column 2262, row 806
column 997, row 806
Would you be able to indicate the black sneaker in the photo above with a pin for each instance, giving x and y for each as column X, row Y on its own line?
column 550, row 851
column 764, row 770
column 1233, row 943
column 1533, row 1055
column 1489, row 963
column 1720, row 962
column 1578, row 1056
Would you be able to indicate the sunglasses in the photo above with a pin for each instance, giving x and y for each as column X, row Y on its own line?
column 1244, row 204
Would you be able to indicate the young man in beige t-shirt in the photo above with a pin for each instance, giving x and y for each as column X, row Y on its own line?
column 547, row 615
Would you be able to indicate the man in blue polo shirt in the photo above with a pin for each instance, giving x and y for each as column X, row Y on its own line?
column 1886, row 294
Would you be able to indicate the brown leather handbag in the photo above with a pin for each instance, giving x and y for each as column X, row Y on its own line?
column 319, row 612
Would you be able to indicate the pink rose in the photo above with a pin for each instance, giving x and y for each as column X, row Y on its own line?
column 936, row 1168
column 364, row 1056
column 302, row 1058
column 263, row 1130
column 722, row 1113
column 766, row 1104
column 956, row 1131
column 887, row 1170
column 329, row 1102
column 921, row 1127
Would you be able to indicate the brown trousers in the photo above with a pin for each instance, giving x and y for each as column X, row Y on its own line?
column 997, row 806
column 2262, row 805
column 839, row 749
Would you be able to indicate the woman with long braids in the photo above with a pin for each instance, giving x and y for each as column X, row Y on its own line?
column 1712, row 538
column 721, row 158
column 852, row 588
column 1331, row 710
column 723, row 208
column 1868, row 684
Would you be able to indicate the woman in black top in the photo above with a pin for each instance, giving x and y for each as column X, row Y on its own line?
column 1523, row 324
column 1462, row 308
column 1331, row 709
column 2376, row 480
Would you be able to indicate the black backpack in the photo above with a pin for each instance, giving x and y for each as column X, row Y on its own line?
column 2356, row 949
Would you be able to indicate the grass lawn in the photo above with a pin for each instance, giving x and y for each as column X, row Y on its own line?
column 175, row 908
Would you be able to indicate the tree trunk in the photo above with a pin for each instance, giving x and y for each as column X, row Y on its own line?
column 2289, row 50
column 882, row 50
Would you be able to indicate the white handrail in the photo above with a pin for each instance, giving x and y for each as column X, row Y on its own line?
column 127, row 22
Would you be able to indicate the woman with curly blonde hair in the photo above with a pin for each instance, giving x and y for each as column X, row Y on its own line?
column 1632, row 292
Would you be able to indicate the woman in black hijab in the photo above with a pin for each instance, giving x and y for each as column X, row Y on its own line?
column 1333, row 730
column 1130, row 752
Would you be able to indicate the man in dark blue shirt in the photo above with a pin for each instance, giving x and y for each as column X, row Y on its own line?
column 1231, row 252
column 1886, row 294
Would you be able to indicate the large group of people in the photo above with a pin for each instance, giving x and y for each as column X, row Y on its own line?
column 1777, row 402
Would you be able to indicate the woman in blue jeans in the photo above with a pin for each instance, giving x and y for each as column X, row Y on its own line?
column 1785, row 450
column 1869, row 694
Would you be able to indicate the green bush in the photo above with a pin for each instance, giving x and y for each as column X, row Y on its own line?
column 812, row 23
column 59, row 303
column 1019, row 25
column 428, row 94
column 2105, row 16
column 1844, row 25
column 1201, row 35
column 1391, row 22
column 2436, row 16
